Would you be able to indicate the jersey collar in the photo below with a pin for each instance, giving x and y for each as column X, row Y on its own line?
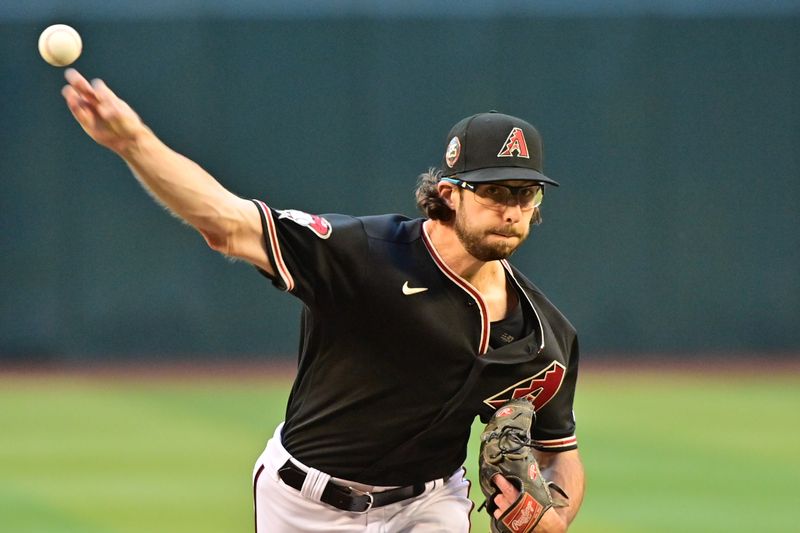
column 483, row 345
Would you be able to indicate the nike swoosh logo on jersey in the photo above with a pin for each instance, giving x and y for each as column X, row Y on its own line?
column 408, row 291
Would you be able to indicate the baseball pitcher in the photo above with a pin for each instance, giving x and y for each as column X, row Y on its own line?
column 411, row 327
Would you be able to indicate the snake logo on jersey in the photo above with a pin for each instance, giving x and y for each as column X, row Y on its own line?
column 317, row 224
column 538, row 389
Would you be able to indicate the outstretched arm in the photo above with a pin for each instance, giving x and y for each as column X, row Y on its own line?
column 229, row 224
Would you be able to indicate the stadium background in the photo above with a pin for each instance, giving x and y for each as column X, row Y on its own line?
column 672, row 126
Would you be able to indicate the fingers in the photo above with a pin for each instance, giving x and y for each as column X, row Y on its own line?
column 80, row 84
column 505, row 486
column 95, row 92
column 79, row 107
column 502, row 504
column 102, row 89
column 508, row 494
column 81, row 97
column 107, row 119
column 89, row 100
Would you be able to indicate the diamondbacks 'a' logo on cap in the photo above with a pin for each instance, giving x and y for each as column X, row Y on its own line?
column 515, row 145
column 453, row 151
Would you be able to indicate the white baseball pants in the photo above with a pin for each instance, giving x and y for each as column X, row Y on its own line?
column 443, row 507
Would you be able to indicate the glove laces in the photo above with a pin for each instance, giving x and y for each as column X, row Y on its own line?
column 511, row 440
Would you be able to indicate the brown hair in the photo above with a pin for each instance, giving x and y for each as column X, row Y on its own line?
column 428, row 199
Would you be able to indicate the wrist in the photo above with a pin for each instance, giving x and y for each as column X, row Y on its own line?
column 137, row 142
column 551, row 522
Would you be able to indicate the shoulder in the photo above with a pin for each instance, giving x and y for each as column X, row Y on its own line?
column 392, row 228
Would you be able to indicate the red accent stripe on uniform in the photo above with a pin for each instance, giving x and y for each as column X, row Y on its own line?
column 556, row 443
column 483, row 345
column 255, row 495
column 283, row 271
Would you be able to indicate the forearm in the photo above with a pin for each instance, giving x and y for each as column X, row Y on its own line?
column 230, row 225
column 184, row 188
column 566, row 470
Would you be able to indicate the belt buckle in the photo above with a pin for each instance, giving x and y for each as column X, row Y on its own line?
column 368, row 495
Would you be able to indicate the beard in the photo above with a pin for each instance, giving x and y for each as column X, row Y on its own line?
column 475, row 241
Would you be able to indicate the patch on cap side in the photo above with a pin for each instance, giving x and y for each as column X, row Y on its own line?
column 453, row 152
column 515, row 142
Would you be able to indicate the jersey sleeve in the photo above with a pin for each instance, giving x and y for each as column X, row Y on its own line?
column 554, row 430
column 313, row 256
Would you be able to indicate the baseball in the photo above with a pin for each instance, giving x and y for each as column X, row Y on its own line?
column 60, row 45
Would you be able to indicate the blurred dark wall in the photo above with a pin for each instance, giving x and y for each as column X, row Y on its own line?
column 675, row 140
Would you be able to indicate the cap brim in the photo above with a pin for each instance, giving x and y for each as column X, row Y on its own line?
column 491, row 174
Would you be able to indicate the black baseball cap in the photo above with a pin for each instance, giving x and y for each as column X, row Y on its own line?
column 494, row 147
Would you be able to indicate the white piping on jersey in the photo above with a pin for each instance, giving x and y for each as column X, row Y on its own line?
column 280, row 265
column 556, row 443
column 483, row 344
column 535, row 312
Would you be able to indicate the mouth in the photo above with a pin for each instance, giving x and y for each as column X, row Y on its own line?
column 506, row 235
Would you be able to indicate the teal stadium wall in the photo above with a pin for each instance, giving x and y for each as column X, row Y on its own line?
column 675, row 138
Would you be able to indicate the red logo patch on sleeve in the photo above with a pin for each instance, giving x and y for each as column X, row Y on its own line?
column 321, row 227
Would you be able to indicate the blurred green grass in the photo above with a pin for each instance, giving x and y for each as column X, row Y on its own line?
column 664, row 451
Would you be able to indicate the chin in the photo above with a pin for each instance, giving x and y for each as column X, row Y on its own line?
column 492, row 253
column 506, row 245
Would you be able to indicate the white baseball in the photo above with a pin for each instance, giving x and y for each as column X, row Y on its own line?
column 60, row 45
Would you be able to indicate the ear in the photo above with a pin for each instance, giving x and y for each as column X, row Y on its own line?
column 447, row 192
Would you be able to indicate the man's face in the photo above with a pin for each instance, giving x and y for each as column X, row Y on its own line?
column 491, row 233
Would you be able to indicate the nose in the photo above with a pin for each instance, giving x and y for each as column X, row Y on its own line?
column 512, row 213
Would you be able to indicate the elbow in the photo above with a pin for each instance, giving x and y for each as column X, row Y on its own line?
column 219, row 241
column 232, row 229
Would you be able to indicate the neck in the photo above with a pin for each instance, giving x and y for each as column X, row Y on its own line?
column 452, row 252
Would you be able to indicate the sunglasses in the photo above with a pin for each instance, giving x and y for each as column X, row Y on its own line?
column 495, row 195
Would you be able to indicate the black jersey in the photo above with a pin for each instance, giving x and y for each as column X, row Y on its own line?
column 394, row 358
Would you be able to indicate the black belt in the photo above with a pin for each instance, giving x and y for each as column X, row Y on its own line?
column 349, row 498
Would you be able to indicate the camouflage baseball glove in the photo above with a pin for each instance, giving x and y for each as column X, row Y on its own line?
column 506, row 449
